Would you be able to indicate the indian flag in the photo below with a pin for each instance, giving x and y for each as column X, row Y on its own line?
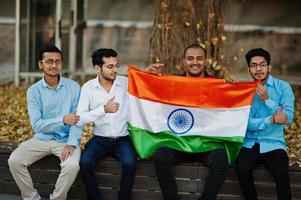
column 186, row 113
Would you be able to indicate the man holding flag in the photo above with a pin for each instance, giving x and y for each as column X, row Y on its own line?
column 272, row 108
column 192, row 118
column 216, row 159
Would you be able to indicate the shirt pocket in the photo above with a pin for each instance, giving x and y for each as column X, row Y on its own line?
column 97, row 101
column 275, row 97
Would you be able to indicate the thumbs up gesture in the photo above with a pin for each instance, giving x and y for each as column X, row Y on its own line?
column 111, row 106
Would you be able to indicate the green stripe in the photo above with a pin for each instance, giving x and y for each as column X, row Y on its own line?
column 146, row 143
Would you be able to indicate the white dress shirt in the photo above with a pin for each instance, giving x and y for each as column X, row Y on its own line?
column 91, row 107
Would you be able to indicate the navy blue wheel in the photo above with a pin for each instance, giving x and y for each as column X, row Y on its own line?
column 180, row 121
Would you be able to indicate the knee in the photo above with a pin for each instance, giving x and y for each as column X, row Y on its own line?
column 129, row 164
column 280, row 173
column 85, row 164
column 162, row 157
column 218, row 161
column 243, row 169
column 14, row 161
column 71, row 167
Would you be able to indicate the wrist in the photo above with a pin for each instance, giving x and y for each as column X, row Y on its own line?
column 273, row 119
column 71, row 146
column 64, row 120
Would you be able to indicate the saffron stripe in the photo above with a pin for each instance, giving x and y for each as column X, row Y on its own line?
column 189, row 91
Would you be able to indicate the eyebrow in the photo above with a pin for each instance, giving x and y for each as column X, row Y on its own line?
column 113, row 64
column 259, row 62
column 196, row 57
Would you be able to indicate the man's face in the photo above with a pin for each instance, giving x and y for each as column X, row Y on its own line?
column 194, row 62
column 259, row 68
column 51, row 64
column 109, row 69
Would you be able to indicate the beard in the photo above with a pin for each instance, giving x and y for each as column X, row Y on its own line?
column 263, row 80
column 110, row 77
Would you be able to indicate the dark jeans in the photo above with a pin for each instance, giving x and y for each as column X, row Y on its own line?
column 97, row 148
column 275, row 161
column 166, row 159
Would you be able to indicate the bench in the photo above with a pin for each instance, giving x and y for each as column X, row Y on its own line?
column 190, row 179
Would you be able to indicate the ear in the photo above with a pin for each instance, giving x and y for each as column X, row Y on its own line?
column 97, row 68
column 40, row 64
column 270, row 68
column 183, row 64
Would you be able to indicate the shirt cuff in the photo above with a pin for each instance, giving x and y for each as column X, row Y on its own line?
column 100, row 110
column 271, row 104
column 266, row 123
column 61, row 120
column 73, row 141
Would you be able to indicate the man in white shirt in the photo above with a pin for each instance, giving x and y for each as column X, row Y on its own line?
column 103, row 101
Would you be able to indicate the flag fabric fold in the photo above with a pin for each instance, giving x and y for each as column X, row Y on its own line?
column 187, row 114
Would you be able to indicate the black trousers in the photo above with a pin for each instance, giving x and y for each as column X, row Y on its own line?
column 166, row 159
column 275, row 161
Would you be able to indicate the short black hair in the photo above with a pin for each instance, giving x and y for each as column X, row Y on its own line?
column 258, row 52
column 194, row 46
column 98, row 55
column 47, row 49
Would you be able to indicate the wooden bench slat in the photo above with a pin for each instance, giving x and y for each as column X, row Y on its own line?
column 190, row 179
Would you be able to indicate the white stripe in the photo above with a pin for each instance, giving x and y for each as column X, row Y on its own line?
column 153, row 116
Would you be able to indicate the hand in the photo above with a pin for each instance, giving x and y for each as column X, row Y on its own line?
column 111, row 106
column 262, row 92
column 71, row 119
column 68, row 150
column 154, row 69
column 280, row 117
column 232, row 80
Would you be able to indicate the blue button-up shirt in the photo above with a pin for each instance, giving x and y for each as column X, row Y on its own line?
column 260, row 129
column 47, row 108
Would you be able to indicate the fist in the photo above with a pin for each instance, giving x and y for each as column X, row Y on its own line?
column 262, row 93
column 280, row 117
column 155, row 69
column 232, row 80
column 71, row 119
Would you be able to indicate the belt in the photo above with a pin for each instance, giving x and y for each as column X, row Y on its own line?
column 113, row 137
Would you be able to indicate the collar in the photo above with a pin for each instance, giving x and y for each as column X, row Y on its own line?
column 270, row 80
column 62, row 82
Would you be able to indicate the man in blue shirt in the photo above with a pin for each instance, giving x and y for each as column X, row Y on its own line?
column 52, row 102
column 272, row 108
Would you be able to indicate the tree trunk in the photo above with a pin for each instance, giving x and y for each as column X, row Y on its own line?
column 180, row 23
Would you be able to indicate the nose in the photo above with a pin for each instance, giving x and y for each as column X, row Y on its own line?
column 54, row 64
column 258, row 68
column 194, row 61
column 115, row 69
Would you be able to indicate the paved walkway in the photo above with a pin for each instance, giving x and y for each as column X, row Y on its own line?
column 9, row 197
